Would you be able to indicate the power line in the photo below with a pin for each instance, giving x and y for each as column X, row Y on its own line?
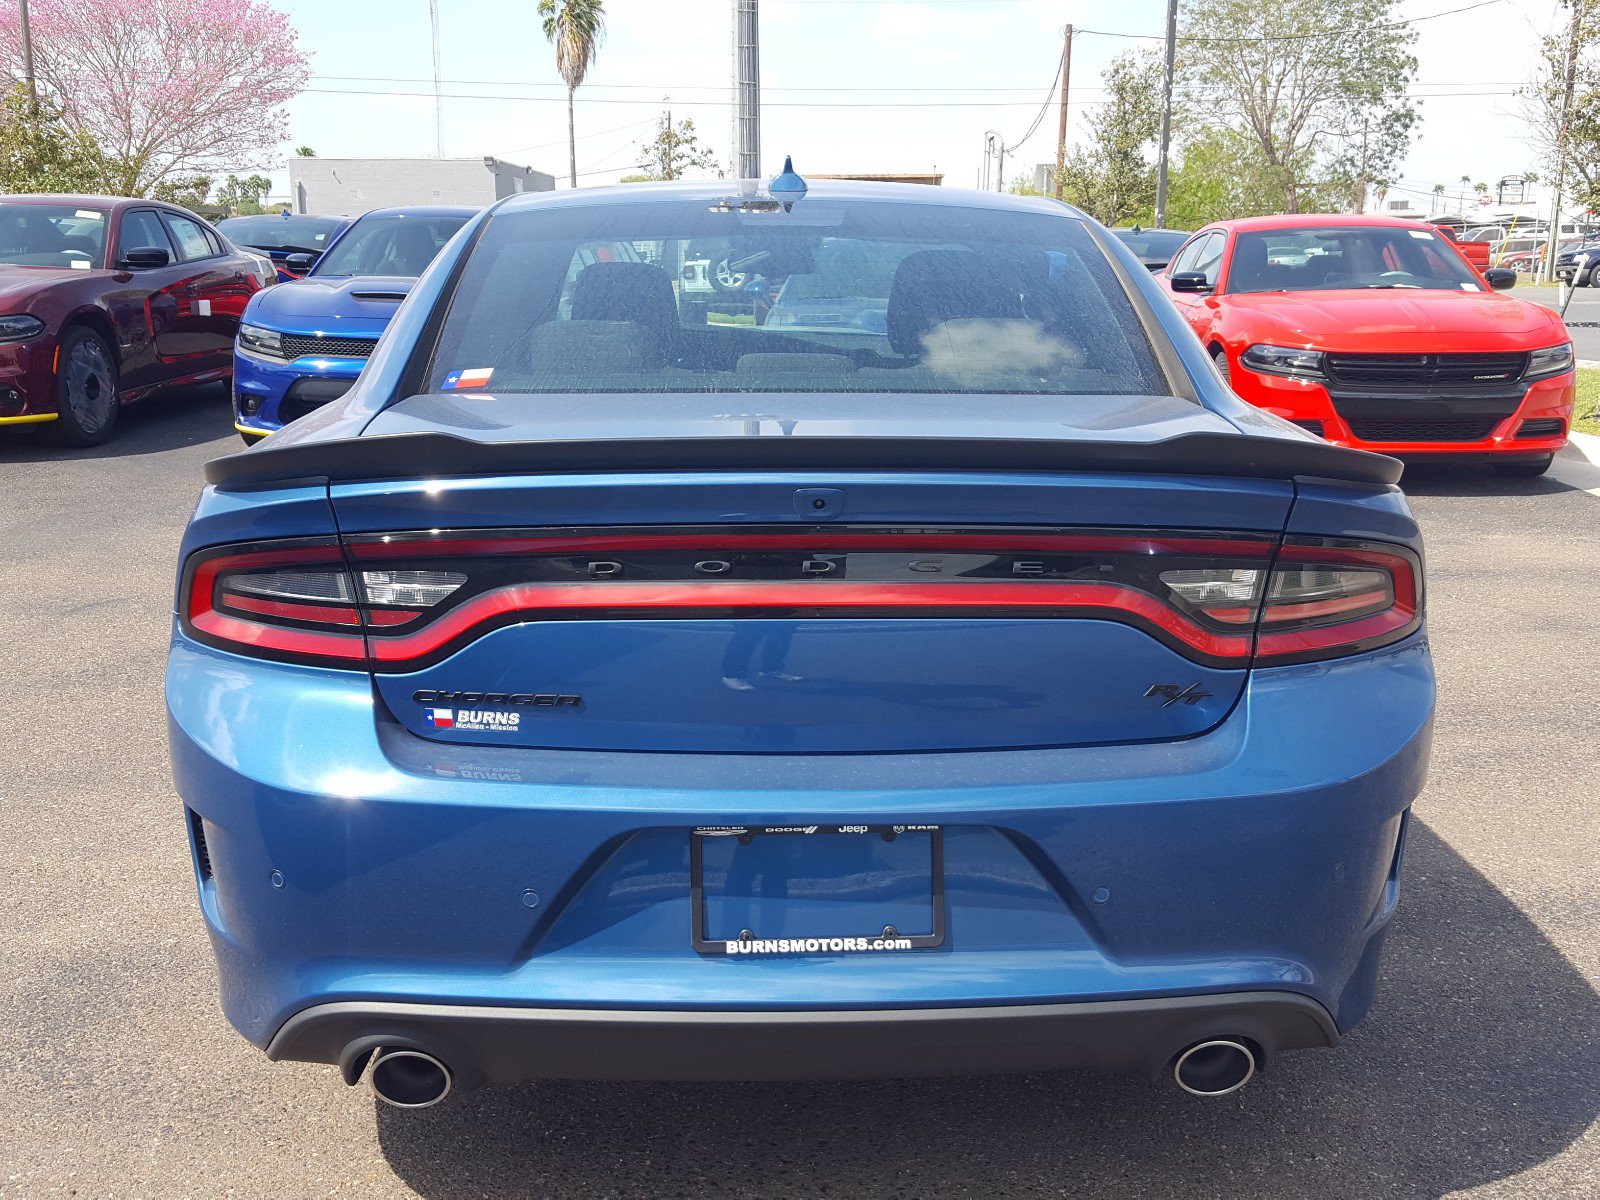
column 852, row 104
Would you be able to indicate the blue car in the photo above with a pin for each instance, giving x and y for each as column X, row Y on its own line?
column 303, row 343
column 614, row 688
column 285, row 235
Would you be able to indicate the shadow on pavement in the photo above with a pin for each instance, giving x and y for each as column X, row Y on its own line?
column 1571, row 472
column 164, row 421
column 1481, row 1061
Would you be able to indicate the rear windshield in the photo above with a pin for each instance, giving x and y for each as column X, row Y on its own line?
column 1312, row 260
column 52, row 235
column 831, row 297
column 305, row 235
column 1152, row 243
column 394, row 245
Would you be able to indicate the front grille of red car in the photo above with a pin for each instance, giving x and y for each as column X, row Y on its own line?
column 1429, row 373
column 1423, row 431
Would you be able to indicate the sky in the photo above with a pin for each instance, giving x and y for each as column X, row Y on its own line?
column 847, row 85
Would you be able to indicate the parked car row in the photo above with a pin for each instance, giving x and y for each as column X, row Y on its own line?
column 104, row 300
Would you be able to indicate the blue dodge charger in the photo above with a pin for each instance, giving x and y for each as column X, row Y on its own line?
column 613, row 686
column 303, row 343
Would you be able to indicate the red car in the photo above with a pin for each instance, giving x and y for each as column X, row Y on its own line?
column 1376, row 333
column 104, row 300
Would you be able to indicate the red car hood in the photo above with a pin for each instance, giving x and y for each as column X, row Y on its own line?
column 18, row 285
column 1397, row 320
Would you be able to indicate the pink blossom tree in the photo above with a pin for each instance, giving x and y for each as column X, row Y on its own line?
column 165, row 88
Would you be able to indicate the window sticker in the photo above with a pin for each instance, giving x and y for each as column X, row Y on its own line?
column 476, row 377
column 89, row 214
column 1422, row 235
column 81, row 264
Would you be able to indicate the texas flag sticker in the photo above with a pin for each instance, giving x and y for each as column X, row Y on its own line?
column 440, row 718
column 477, row 377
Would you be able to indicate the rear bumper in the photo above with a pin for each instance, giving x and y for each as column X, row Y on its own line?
column 484, row 1045
column 349, row 867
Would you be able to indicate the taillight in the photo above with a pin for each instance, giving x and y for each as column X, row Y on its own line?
column 403, row 601
column 1328, row 598
column 292, row 601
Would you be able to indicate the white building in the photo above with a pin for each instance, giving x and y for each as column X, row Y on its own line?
column 348, row 187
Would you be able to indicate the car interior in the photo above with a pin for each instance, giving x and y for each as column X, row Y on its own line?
column 945, row 319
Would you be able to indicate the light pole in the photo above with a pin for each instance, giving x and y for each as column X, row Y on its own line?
column 1166, row 115
column 27, row 54
column 438, row 96
column 747, row 89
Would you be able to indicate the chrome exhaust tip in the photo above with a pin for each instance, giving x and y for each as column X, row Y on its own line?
column 410, row 1078
column 1218, row 1067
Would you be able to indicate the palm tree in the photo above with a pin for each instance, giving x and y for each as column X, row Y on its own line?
column 575, row 28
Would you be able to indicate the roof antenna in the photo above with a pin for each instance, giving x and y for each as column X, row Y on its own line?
column 788, row 183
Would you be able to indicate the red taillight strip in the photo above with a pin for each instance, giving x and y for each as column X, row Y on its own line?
column 236, row 633
column 882, row 599
column 1302, row 610
column 346, row 647
column 1347, row 637
column 1356, row 635
column 326, row 614
column 806, row 541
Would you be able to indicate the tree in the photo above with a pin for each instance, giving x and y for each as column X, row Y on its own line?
column 1567, row 134
column 1113, row 177
column 188, row 191
column 165, row 88
column 1317, row 86
column 243, row 196
column 575, row 28
column 1221, row 175
column 305, row 152
column 38, row 152
column 675, row 149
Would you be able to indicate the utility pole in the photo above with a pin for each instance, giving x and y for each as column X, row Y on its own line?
column 1165, row 147
column 747, row 89
column 27, row 56
column 1547, row 271
column 1061, row 134
column 438, row 95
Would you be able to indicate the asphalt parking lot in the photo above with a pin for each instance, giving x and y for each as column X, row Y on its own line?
column 1582, row 315
column 1479, row 1072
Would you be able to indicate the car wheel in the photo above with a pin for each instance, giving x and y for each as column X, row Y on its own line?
column 726, row 279
column 1220, row 357
column 86, row 389
column 1525, row 470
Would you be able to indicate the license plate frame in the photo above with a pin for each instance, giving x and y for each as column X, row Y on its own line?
column 875, row 941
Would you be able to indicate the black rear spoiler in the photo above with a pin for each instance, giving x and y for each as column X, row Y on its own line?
column 439, row 455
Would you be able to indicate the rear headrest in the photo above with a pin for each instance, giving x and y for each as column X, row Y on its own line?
column 934, row 286
column 625, row 291
column 560, row 347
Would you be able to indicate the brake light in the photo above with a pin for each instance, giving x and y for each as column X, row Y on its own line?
column 402, row 601
column 292, row 601
column 1329, row 598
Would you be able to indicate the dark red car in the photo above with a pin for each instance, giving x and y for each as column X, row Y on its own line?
column 1376, row 333
column 103, row 300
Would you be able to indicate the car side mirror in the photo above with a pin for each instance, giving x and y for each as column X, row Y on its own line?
column 1501, row 279
column 142, row 258
column 301, row 262
column 1189, row 281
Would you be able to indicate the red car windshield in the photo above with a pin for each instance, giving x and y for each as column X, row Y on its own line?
column 52, row 235
column 1321, row 260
